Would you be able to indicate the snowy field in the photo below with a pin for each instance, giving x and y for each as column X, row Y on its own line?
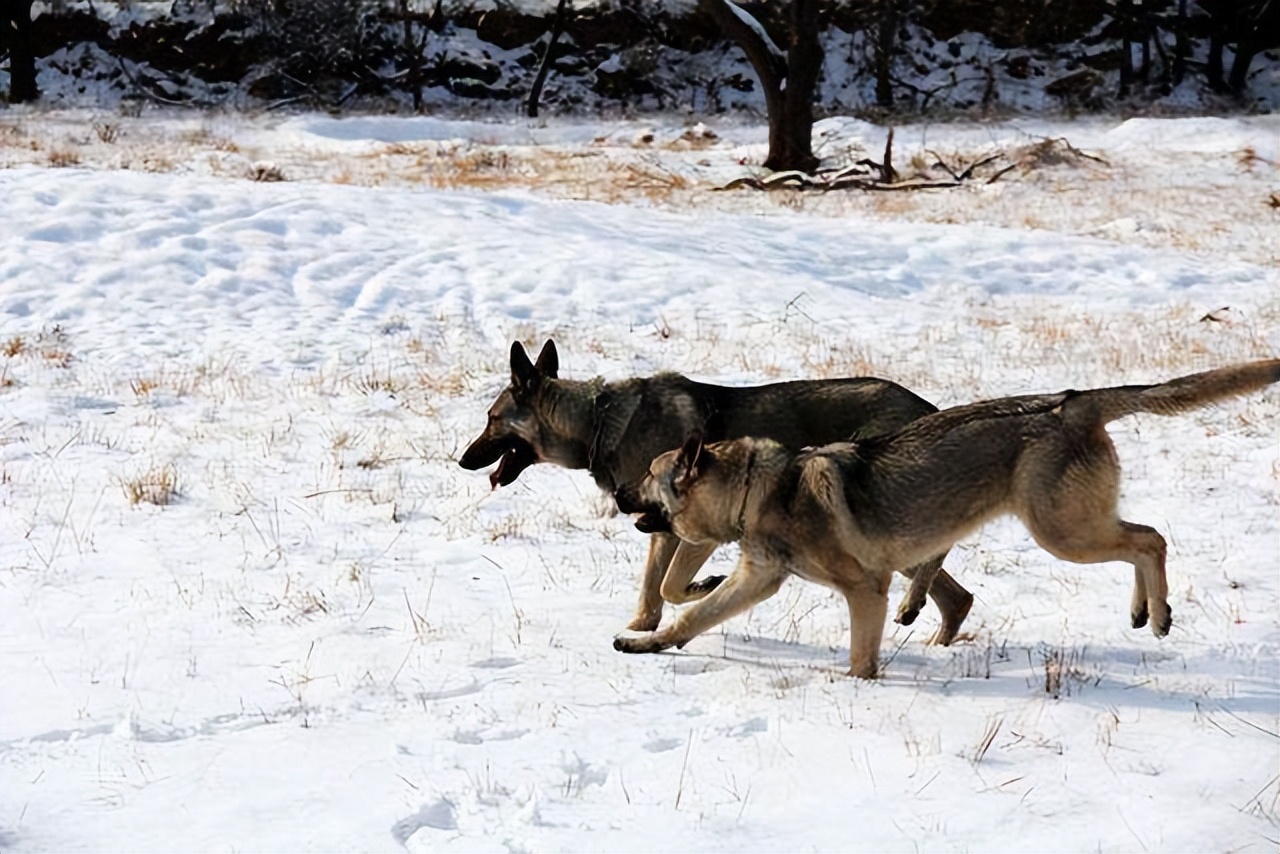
column 249, row 601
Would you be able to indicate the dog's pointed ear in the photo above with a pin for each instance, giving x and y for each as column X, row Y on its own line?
column 548, row 363
column 524, row 376
column 690, row 460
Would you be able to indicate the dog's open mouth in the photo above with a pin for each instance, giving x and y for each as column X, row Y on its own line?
column 513, row 461
column 650, row 519
column 653, row 522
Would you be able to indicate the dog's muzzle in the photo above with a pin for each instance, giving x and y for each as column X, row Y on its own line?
column 652, row 518
column 512, row 454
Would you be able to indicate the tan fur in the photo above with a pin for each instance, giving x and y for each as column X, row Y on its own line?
column 848, row 515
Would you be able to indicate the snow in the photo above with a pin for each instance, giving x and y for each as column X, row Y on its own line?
column 335, row 638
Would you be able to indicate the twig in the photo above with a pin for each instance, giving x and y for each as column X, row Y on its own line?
column 680, row 784
column 887, row 173
column 997, row 176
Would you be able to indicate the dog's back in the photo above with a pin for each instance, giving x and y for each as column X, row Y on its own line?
column 812, row 412
column 641, row 418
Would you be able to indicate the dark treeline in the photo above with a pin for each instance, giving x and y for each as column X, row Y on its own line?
column 333, row 52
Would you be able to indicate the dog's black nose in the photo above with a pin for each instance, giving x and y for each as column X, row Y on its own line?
column 628, row 498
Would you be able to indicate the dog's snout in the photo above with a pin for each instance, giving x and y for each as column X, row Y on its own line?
column 628, row 498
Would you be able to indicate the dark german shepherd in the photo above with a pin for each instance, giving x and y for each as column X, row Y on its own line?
column 615, row 429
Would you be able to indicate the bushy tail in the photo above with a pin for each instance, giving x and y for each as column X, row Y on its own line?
column 1181, row 395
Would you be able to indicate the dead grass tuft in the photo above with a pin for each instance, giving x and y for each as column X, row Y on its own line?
column 180, row 383
column 107, row 132
column 1052, row 152
column 158, row 486
column 60, row 158
column 157, row 163
column 15, row 346
column 143, row 386
column 374, row 379
column 1064, row 672
column 52, row 346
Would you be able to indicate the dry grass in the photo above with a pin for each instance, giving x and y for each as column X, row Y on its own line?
column 157, row 485
column 15, row 346
column 51, row 345
column 1065, row 672
column 107, row 132
column 63, row 157
column 178, row 382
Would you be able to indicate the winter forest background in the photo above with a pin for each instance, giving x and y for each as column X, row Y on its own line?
column 935, row 57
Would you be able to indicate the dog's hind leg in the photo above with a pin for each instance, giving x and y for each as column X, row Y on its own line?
column 678, row 586
column 1139, row 545
column 1075, row 519
column 953, row 602
column 1150, row 583
column 1071, row 511
column 662, row 547
column 922, row 576
column 1139, row 612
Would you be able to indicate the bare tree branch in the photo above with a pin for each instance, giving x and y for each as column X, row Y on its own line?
column 768, row 60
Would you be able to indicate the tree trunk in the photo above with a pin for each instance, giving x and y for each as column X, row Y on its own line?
column 1181, row 46
column 886, row 37
column 804, row 64
column 413, row 50
column 1240, row 66
column 787, row 80
column 1144, row 71
column 1213, row 70
column 1124, row 17
column 16, row 20
column 544, row 67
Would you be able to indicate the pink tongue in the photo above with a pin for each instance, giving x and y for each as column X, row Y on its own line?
column 495, row 477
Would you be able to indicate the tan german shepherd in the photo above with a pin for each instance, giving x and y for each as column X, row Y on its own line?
column 848, row 515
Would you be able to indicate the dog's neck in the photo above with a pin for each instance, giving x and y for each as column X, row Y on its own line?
column 570, row 414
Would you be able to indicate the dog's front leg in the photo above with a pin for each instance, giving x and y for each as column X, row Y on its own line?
column 751, row 583
column 867, row 607
column 678, row 586
column 649, row 611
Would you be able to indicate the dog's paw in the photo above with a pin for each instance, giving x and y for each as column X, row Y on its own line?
column 645, row 623
column 866, row 670
column 1138, row 618
column 1160, row 626
column 698, row 589
column 906, row 616
column 638, row 642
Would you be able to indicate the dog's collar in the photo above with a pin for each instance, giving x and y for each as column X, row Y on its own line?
column 599, row 403
column 746, row 493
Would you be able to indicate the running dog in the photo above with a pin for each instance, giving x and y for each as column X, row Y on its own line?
column 615, row 429
column 848, row 515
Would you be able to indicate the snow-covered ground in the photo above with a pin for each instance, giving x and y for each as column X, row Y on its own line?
column 332, row 637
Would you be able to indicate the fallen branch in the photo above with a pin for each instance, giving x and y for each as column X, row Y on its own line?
column 909, row 184
column 869, row 175
column 967, row 173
